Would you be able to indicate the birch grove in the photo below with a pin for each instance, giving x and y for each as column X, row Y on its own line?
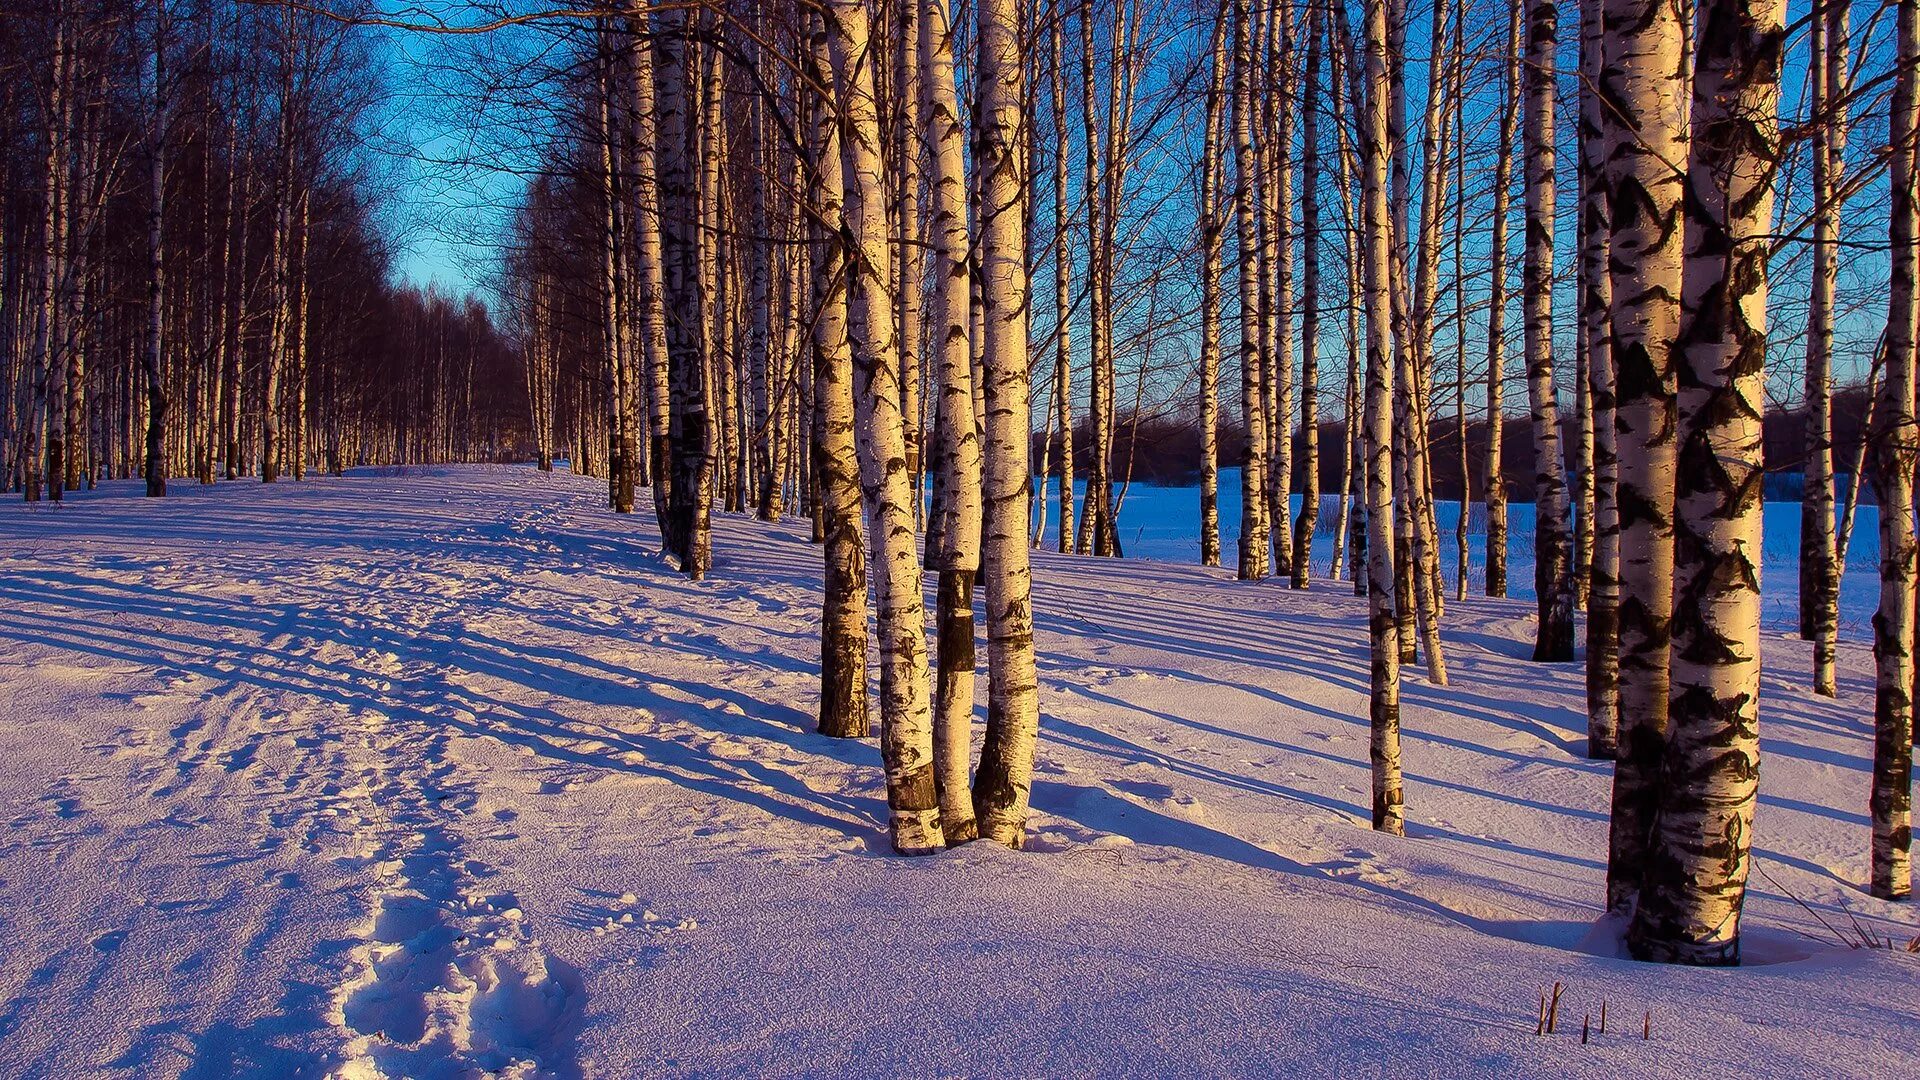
column 944, row 278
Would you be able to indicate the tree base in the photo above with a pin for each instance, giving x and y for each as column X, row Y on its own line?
column 1687, row 953
column 916, row 832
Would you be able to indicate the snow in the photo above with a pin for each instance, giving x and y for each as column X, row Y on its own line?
column 1163, row 523
column 445, row 774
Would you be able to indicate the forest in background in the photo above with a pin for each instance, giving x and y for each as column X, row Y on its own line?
column 848, row 257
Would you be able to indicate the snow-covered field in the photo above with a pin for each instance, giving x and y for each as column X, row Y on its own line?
column 444, row 774
column 1163, row 523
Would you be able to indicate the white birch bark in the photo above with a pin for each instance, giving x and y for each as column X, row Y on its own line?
column 1253, row 540
column 1389, row 798
column 1062, row 281
column 1596, row 309
column 1212, row 228
column 1696, row 867
column 155, row 359
column 1819, row 558
column 1005, row 781
column 1553, row 576
column 1890, row 799
column 684, row 300
column 906, row 731
column 957, row 456
column 1645, row 142
column 843, row 615
column 648, row 260
column 1280, row 386
column 1496, row 477
column 1309, row 520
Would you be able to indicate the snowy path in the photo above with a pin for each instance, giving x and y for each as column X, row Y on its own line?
column 445, row 775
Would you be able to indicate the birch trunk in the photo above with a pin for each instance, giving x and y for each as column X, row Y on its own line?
column 906, row 725
column 1062, row 281
column 1819, row 562
column 1280, row 359
column 1212, row 227
column 1645, row 135
column 957, row 456
column 843, row 621
column 1596, row 309
column 716, row 276
column 1351, row 530
column 156, row 463
column 1389, row 798
column 1253, row 540
column 1005, row 781
column 1460, row 310
column 690, row 428
column 911, row 259
column 48, row 387
column 1553, row 578
column 1890, row 801
column 1697, row 865
column 1496, row 469
column 648, row 259
column 613, row 291
column 1309, row 519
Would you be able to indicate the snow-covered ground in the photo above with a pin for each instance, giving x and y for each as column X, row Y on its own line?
column 443, row 774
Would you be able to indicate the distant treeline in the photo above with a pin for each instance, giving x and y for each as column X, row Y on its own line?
column 1166, row 450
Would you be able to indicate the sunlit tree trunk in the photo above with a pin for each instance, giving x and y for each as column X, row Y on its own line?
column 1698, row 861
column 650, row 320
column 906, row 718
column 1062, row 279
column 910, row 262
column 1253, row 539
column 957, row 455
column 1645, row 135
column 1212, row 228
column 1005, row 779
column 1389, row 798
column 1496, row 476
column 843, row 616
column 1280, row 357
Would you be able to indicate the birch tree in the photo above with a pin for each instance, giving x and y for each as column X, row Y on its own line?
column 685, row 301
column 156, row 465
column 1827, row 82
column 1696, row 869
column 1496, row 480
column 649, row 269
column 1552, row 544
column 1004, row 783
column 1302, row 554
column 1253, row 537
column 843, row 613
column 957, row 454
column 1890, row 801
column 1389, row 798
column 906, row 725
column 1645, row 90
column 1596, row 309
column 1212, row 231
